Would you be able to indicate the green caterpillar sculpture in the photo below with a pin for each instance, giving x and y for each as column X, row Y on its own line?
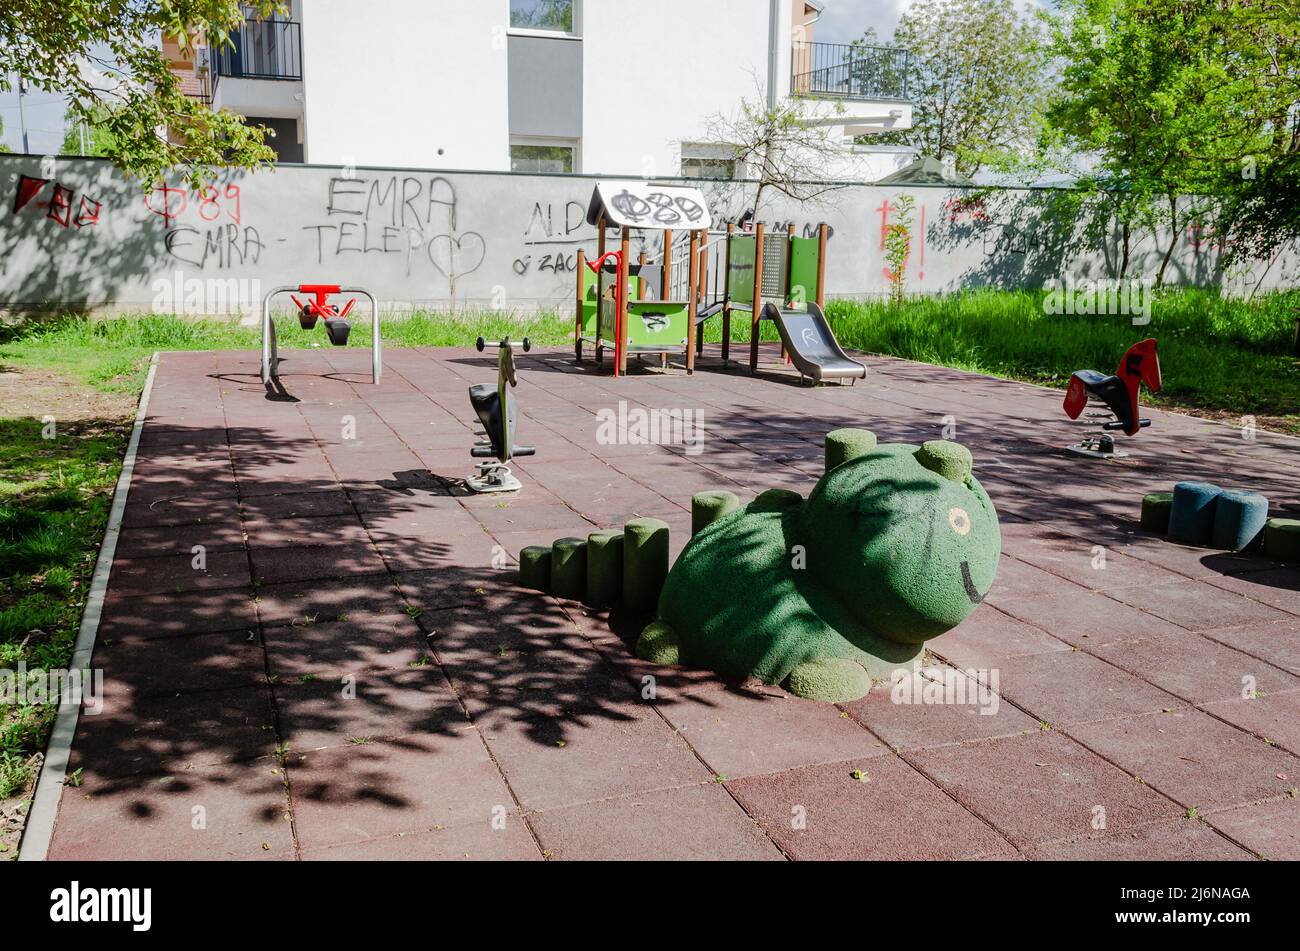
column 895, row 545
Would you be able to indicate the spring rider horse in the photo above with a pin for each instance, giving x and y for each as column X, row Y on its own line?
column 1114, row 399
column 498, row 412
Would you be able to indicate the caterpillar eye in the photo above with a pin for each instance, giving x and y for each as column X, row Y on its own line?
column 959, row 520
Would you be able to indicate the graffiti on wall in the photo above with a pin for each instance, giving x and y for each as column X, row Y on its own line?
column 65, row 207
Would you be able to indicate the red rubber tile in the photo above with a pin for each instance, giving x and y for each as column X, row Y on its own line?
column 1278, row 587
column 1178, row 840
column 235, row 811
column 156, row 540
column 320, row 563
column 1089, row 619
column 417, row 784
column 331, row 501
column 307, row 531
column 368, row 705
column 1196, row 669
column 1193, row 758
column 692, row 823
column 1277, row 642
column 310, row 602
column 746, row 732
column 1066, row 687
column 1041, row 787
column 172, row 614
column 989, row 638
column 138, row 668
column 1273, row 717
column 1198, row 606
column 473, row 842
column 909, row 719
column 182, row 571
column 167, row 734
column 891, row 812
column 330, row 649
column 1271, row 829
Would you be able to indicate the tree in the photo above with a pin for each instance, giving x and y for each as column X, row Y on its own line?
column 974, row 75
column 3, row 147
column 105, row 56
column 780, row 146
column 87, row 138
column 1157, row 89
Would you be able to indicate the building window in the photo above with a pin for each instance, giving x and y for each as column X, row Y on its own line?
column 552, row 15
column 549, row 159
column 714, row 168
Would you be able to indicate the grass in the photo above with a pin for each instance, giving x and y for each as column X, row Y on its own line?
column 1220, row 357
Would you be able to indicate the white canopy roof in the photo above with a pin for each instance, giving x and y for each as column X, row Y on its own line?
column 651, row 206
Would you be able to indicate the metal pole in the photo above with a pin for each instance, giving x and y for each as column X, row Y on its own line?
column 22, row 117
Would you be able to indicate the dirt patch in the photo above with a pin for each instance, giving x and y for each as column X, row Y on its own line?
column 36, row 393
column 13, row 816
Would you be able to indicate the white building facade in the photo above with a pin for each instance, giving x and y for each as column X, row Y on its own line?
column 611, row 87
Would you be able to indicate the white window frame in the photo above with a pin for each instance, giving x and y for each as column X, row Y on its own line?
column 711, row 152
column 574, row 34
column 557, row 142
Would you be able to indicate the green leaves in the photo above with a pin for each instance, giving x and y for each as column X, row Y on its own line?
column 105, row 56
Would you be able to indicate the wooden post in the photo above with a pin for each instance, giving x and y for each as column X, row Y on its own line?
column 620, row 323
column 577, row 336
column 758, row 298
column 823, row 233
column 668, row 263
column 640, row 281
column 789, row 276
column 726, row 294
column 693, row 291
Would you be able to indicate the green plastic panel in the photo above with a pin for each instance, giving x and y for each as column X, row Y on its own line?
column 740, row 270
column 657, row 323
column 803, row 268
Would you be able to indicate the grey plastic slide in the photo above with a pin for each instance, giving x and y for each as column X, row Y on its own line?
column 812, row 346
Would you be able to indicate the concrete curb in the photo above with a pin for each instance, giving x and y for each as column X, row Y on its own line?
column 49, row 786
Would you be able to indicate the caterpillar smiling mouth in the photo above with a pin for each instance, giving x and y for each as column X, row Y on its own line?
column 969, row 583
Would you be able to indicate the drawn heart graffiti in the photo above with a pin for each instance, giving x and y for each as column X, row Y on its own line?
column 456, row 257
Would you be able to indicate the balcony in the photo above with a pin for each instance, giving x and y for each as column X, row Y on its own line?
column 262, row 49
column 849, row 71
column 260, row 72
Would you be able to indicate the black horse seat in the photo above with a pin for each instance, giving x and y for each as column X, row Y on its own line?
column 487, row 405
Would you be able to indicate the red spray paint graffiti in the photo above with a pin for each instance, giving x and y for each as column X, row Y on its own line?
column 60, row 206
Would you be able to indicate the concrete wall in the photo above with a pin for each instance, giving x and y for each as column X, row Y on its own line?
column 86, row 236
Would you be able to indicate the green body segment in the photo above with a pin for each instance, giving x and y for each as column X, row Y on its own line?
column 535, row 567
column 645, row 562
column 569, row 568
column 604, row 568
column 884, row 554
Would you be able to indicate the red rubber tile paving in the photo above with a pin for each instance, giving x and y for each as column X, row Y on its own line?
column 742, row 733
column 417, row 784
column 475, row 842
column 694, row 823
column 1193, row 758
column 1179, row 840
column 906, row 718
column 891, row 812
column 1040, row 787
column 1271, row 830
column 153, row 734
column 1273, row 717
column 1197, row 669
column 180, row 571
column 582, row 730
column 1064, row 687
column 1198, row 606
column 234, row 811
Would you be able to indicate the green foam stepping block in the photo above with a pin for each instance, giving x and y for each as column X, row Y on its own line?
column 645, row 562
column 1282, row 539
column 535, row 567
column 845, row 444
column 708, row 507
column 604, row 567
column 569, row 568
column 1239, row 518
column 950, row 459
column 1155, row 511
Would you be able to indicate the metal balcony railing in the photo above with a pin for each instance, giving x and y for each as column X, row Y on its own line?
column 849, row 71
column 262, row 49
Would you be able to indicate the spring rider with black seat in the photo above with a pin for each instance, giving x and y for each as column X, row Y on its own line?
column 1113, row 399
column 498, row 412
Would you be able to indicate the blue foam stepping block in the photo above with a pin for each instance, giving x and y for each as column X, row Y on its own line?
column 1239, row 519
column 1191, row 517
